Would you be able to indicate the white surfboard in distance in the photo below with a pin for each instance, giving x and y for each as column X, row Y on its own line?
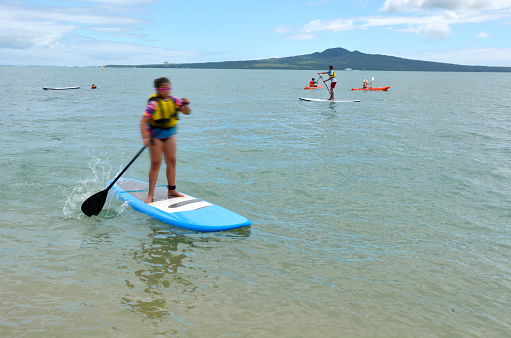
column 60, row 88
column 320, row 100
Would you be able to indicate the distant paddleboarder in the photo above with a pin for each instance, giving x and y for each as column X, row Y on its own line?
column 333, row 79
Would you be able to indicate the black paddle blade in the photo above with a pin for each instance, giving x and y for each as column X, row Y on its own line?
column 94, row 204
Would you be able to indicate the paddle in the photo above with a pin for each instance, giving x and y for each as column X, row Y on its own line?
column 94, row 204
column 325, row 85
column 371, row 84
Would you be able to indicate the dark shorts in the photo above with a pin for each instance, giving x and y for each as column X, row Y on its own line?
column 332, row 85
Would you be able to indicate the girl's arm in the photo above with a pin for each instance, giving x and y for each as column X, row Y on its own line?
column 185, row 106
column 146, row 117
column 146, row 137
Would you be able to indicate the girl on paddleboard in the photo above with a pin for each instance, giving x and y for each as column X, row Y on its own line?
column 331, row 77
column 158, row 129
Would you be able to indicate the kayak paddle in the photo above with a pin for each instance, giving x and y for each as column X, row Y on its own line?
column 94, row 204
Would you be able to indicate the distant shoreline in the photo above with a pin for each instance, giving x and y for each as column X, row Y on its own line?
column 340, row 58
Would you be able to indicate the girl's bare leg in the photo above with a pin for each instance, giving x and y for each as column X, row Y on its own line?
column 155, row 150
column 169, row 152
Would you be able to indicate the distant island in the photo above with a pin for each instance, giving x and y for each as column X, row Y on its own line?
column 340, row 58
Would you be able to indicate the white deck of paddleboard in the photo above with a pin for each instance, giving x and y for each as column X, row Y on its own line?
column 179, row 204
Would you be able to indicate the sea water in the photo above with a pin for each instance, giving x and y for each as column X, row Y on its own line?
column 388, row 217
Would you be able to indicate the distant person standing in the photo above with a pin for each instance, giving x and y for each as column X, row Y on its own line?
column 333, row 79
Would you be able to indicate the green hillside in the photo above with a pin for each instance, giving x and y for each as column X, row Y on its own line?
column 340, row 58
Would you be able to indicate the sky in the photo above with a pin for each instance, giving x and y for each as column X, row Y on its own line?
column 131, row 32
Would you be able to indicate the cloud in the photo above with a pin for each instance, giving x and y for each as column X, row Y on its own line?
column 78, row 15
column 98, row 53
column 120, row 5
column 482, row 35
column 23, row 35
column 123, row 2
column 337, row 25
column 301, row 36
column 431, row 27
column 83, row 33
column 289, row 32
column 23, row 27
column 432, row 19
column 283, row 29
column 394, row 6
column 431, row 30
column 499, row 57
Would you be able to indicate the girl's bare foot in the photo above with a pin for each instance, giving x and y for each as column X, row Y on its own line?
column 149, row 199
column 175, row 193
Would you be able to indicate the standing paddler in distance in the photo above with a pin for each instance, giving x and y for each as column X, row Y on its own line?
column 333, row 79
column 158, row 129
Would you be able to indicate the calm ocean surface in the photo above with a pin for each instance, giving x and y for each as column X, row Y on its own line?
column 389, row 217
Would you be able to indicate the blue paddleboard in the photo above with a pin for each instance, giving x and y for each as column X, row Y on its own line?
column 183, row 212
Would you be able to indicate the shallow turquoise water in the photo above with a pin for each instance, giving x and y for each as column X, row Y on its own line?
column 388, row 217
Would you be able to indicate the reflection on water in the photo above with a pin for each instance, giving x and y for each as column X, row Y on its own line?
column 165, row 273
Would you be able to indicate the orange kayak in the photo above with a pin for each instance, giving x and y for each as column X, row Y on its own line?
column 372, row 89
column 320, row 86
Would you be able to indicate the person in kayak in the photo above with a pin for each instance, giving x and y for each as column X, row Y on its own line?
column 313, row 83
column 93, row 86
column 333, row 79
column 364, row 85
column 158, row 128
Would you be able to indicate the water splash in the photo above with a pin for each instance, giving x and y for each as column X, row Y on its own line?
column 85, row 188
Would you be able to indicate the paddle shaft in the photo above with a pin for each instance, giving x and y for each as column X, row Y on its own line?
column 329, row 92
column 126, row 168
